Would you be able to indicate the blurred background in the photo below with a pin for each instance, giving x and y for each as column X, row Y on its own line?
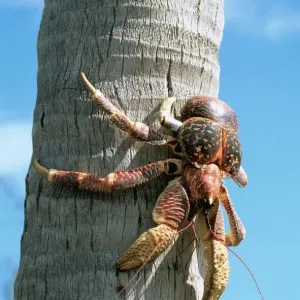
column 260, row 79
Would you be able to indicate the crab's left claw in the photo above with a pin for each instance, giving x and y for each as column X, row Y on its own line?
column 170, row 211
column 147, row 247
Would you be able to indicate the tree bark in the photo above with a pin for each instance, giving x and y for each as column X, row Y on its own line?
column 137, row 52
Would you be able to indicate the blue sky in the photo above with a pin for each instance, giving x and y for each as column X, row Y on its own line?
column 259, row 78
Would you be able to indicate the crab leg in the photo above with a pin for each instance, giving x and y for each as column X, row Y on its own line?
column 237, row 230
column 166, row 119
column 217, row 273
column 113, row 181
column 169, row 212
column 137, row 130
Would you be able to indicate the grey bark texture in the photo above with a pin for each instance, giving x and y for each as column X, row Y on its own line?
column 137, row 52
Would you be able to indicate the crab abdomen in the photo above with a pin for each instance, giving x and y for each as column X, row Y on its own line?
column 210, row 108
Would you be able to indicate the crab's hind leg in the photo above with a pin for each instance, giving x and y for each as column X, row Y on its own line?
column 237, row 230
column 166, row 119
column 217, row 272
column 137, row 130
column 113, row 181
column 169, row 212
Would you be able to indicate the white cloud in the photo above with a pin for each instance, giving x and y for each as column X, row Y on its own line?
column 16, row 147
column 262, row 18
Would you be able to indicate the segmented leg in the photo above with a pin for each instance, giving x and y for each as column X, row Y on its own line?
column 237, row 230
column 137, row 130
column 113, row 181
column 217, row 273
column 166, row 119
column 169, row 212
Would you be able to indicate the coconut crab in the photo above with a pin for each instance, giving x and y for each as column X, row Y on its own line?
column 210, row 150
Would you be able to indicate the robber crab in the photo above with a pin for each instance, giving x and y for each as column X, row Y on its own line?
column 210, row 150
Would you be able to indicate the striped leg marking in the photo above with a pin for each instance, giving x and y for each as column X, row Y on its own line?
column 137, row 130
column 113, row 181
column 170, row 211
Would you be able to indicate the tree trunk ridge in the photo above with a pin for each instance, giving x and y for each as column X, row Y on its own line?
column 136, row 52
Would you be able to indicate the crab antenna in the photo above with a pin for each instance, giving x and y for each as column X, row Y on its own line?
column 88, row 85
column 147, row 260
column 252, row 275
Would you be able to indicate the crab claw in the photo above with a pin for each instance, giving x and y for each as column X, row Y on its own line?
column 217, row 273
column 147, row 247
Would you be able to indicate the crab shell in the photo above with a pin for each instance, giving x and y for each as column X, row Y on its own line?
column 209, row 134
column 212, row 109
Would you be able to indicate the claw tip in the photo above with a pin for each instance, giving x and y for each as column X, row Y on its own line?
column 40, row 169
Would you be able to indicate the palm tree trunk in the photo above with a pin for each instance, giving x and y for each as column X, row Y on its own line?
column 137, row 52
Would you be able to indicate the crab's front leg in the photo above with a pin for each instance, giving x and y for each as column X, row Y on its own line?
column 170, row 211
column 217, row 272
column 137, row 130
column 113, row 181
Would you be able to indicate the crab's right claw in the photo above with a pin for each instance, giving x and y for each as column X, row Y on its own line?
column 147, row 247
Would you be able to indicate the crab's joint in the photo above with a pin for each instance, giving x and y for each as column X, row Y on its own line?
column 166, row 119
column 173, row 167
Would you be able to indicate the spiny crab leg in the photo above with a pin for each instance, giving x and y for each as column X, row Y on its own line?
column 137, row 130
column 237, row 230
column 166, row 119
column 113, row 181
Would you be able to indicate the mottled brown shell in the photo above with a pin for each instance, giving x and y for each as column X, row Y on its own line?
column 201, row 140
column 210, row 108
column 204, row 142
